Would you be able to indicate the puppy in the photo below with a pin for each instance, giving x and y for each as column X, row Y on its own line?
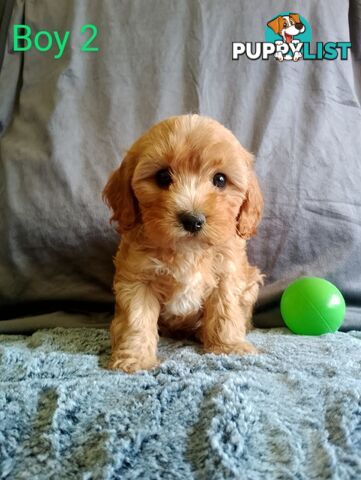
column 185, row 199
column 287, row 26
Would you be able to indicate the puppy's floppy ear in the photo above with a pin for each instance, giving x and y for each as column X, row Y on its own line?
column 251, row 210
column 276, row 24
column 295, row 17
column 119, row 196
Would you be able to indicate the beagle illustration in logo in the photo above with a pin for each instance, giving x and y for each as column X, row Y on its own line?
column 288, row 27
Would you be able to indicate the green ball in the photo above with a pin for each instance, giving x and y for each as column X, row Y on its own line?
column 312, row 306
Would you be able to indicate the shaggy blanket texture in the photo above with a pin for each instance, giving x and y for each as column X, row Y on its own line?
column 293, row 412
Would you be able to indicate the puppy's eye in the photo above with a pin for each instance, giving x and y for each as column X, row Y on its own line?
column 219, row 180
column 163, row 178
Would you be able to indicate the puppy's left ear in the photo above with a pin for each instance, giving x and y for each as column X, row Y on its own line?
column 295, row 17
column 251, row 210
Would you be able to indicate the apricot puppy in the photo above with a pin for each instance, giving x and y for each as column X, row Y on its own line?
column 185, row 199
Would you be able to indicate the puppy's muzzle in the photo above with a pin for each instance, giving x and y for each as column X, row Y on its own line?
column 299, row 26
column 192, row 222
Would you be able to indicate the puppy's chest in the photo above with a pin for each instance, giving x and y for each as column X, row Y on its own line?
column 182, row 289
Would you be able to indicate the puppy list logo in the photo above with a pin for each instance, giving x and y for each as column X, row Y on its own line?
column 289, row 33
column 288, row 37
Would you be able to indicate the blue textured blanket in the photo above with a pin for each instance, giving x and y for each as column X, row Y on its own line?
column 292, row 412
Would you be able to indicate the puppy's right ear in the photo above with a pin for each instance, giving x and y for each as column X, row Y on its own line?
column 276, row 24
column 119, row 196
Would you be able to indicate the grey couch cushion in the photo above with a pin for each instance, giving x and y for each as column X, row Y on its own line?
column 71, row 119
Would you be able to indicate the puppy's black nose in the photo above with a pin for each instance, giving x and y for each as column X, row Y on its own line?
column 192, row 222
column 299, row 26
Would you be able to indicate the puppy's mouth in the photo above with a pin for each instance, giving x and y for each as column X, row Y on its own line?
column 288, row 38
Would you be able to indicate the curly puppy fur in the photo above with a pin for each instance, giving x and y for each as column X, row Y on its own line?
column 170, row 279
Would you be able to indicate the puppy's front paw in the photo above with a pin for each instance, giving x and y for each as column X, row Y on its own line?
column 240, row 348
column 131, row 363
